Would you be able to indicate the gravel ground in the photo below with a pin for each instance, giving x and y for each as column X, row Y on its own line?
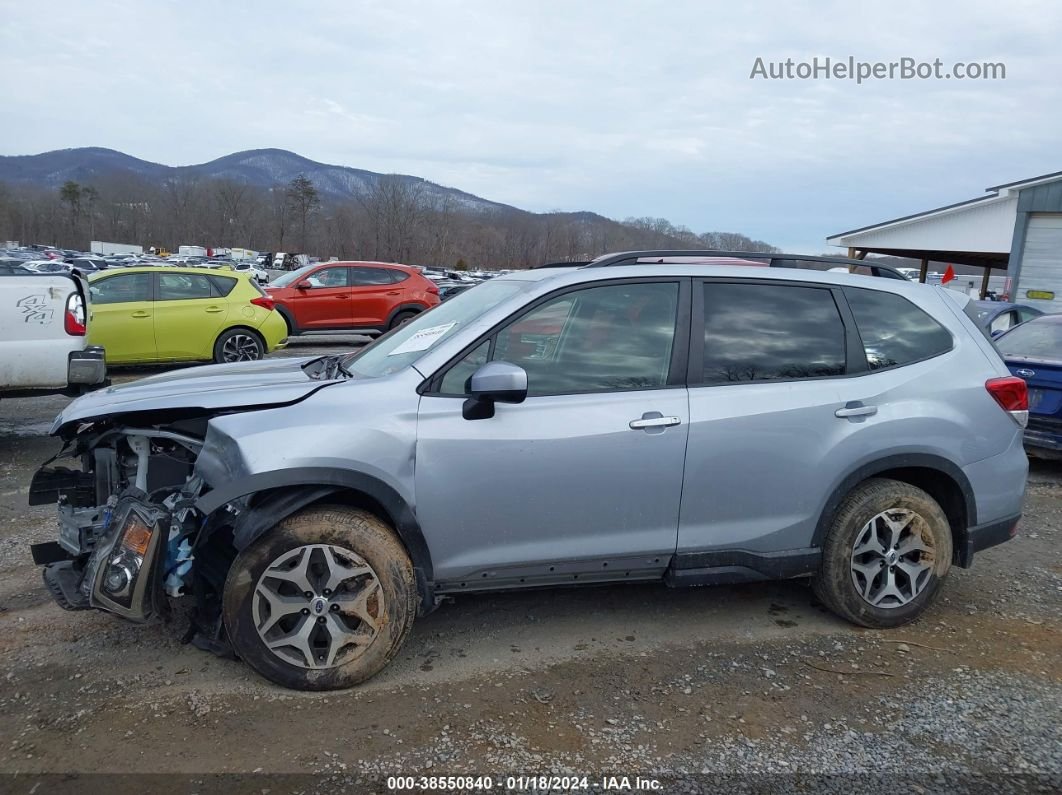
column 752, row 688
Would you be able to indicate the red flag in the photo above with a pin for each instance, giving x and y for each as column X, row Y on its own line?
column 949, row 274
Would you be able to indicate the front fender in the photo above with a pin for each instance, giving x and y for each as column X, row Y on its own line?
column 285, row 492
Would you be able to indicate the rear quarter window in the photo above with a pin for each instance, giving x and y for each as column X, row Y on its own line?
column 222, row 284
column 894, row 331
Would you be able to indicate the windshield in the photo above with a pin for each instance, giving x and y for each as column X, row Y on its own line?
column 1036, row 340
column 285, row 279
column 403, row 346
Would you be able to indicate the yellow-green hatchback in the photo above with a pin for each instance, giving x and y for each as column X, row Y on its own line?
column 153, row 314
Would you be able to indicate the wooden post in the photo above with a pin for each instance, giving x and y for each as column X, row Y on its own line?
column 924, row 270
column 984, row 282
column 855, row 253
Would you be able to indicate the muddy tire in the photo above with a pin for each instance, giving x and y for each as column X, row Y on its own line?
column 322, row 601
column 402, row 317
column 885, row 555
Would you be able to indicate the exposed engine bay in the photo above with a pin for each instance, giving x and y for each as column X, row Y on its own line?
column 129, row 535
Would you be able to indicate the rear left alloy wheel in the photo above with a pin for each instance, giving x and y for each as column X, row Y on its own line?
column 886, row 554
column 238, row 345
column 323, row 601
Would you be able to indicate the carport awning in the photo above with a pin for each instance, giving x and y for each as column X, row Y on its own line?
column 975, row 233
column 979, row 259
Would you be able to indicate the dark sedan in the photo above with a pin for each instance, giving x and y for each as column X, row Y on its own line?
column 1033, row 351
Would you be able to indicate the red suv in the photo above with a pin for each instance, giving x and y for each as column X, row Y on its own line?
column 362, row 296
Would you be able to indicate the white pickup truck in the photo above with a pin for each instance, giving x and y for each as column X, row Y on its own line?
column 42, row 335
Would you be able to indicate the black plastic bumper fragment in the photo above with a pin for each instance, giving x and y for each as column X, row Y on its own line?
column 48, row 552
column 985, row 536
column 62, row 580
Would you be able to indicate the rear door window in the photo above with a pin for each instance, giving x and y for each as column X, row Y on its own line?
column 183, row 286
column 770, row 332
column 894, row 331
column 365, row 277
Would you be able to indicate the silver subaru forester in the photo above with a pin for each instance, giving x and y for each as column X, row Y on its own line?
column 651, row 416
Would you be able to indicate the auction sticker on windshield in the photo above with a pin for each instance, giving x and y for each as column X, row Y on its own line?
column 423, row 339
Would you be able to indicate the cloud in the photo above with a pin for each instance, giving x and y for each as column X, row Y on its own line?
column 626, row 108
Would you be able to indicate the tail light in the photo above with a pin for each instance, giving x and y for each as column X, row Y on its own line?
column 432, row 289
column 265, row 302
column 1012, row 395
column 74, row 319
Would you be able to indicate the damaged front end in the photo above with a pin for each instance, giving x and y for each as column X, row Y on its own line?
column 127, row 525
column 129, row 534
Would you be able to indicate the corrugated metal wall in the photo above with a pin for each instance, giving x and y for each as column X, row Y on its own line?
column 1041, row 262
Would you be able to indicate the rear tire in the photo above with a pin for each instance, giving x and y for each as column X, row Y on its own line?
column 360, row 609
column 402, row 317
column 885, row 556
column 238, row 345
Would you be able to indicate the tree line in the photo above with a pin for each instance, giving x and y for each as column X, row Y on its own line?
column 394, row 220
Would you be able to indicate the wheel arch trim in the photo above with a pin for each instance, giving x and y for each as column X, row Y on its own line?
column 409, row 306
column 285, row 492
column 898, row 461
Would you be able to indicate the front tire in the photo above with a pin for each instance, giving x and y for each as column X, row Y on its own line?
column 238, row 345
column 323, row 601
column 885, row 556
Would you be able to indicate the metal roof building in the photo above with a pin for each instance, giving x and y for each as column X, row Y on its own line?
column 1016, row 227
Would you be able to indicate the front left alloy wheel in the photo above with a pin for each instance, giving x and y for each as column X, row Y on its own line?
column 322, row 601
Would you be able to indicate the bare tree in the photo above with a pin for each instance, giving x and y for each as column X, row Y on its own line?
column 304, row 201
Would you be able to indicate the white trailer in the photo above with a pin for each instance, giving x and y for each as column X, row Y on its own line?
column 192, row 251
column 239, row 254
column 101, row 247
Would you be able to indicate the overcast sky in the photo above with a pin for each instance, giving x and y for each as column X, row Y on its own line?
column 627, row 109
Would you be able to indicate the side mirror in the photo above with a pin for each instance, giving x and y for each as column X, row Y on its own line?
column 303, row 285
column 494, row 382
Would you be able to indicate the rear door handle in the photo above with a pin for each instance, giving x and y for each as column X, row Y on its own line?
column 854, row 408
column 395, row 292
column 214, row 309
column 653, row 419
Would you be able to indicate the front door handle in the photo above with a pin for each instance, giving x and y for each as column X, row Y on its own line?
column 653, row 419
column 141, row 313
column 854, row 408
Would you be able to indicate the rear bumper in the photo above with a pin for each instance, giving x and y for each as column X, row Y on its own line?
column 985, row 536
column 86, row 367
column 1043, row 438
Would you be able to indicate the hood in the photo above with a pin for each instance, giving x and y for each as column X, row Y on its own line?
column 258, row 384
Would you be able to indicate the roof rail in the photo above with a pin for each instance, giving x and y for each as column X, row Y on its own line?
column 771, row 259
column 775, row 259
column 579, row 264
